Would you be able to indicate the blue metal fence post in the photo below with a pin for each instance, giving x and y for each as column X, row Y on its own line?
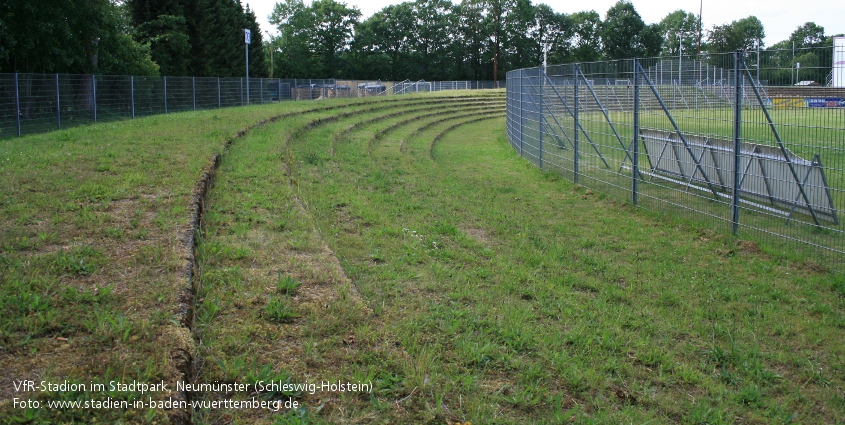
column 636, row 156
column 576, row 69
column 541, row 72
column 194, row 90
column 165, row 95
column 738, row 79
column 521, row 113
column 17, row 105
column 218, row 94
column 58, row 105
column 242, row 92
column 94, row 94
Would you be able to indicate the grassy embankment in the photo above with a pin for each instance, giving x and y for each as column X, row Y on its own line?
column 366, row 244
column 494, row 292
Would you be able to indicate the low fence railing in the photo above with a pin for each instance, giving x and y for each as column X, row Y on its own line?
column 35, row 103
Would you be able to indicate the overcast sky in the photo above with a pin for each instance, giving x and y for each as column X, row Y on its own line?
column 780, row 17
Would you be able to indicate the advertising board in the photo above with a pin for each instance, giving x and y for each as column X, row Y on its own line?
column 828, row 102
column 788, row 102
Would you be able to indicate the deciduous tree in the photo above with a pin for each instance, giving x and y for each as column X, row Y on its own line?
column 678, row 26
column 743, row 34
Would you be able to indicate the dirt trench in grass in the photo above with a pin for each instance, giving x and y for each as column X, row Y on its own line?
column 273, row 303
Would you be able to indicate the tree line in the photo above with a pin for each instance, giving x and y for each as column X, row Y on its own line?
column 128, row 37
column 422, row 39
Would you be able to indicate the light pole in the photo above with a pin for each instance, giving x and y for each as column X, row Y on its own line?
column 546, row 47
column 759, row 48
column 680, row 55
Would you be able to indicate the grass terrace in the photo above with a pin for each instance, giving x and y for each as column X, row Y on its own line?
column 396, row 242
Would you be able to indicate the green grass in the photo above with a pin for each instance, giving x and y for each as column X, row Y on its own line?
column 464, row 283
column 496, row 292
column 290, row 277
column 92, row 251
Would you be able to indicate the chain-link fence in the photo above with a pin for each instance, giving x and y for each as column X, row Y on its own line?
column 733, row 141
column 34, row 103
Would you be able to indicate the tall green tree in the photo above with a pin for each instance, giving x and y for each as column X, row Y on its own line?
column 294, row 22
column 808, row 35
column 68, row 36
column 332, row 33
column 431, row 39
column 315, row 38
column 161, row 24
column 586, row 40
column 624, row 34
column 383, row 43
column 519, row 49
column 744, row 34
column 554, row 31
column 199, row 37
column 679, row 28
column 470, row 42
column 496, row 14
column 808, row 46
column 169, row 43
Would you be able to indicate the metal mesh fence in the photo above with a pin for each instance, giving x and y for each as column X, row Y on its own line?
column 35, row 103
column 732, row 141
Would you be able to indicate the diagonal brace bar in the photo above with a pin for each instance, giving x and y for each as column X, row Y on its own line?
column 540, row 117
column 678, row 130
column 604, row 112
column 572, row 114
column 552, row 114
column 781, row 145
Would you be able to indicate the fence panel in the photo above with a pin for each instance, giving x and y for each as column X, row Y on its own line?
column 114, row 97
column 35, row 103
column 149, row 96
column 698, row 137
